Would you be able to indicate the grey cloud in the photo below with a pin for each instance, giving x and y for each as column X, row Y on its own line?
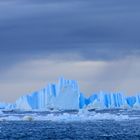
column 90, row 28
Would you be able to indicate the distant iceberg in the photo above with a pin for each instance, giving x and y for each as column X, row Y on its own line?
column 108, row 100
column 66, row 95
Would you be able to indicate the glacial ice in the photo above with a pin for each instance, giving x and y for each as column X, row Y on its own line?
column 3, row 105
column 66, row 95
column 107, row 100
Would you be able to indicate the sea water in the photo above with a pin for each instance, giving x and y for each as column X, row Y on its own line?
column 79, row 125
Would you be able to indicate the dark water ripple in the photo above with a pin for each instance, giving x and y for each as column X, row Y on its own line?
column 96, row 130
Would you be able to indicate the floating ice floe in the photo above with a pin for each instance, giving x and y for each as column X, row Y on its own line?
column 82, row 115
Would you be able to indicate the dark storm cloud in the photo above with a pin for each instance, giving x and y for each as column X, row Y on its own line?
column 96, row 30
column 100, row 37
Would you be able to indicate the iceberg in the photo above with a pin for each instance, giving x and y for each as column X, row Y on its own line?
column 3, row 105
column 133, row 101
column 66, row 95
column 107, row 100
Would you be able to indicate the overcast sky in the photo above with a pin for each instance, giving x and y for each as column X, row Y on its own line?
column 94, row 42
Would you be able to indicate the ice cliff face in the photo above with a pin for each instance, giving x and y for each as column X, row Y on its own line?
column 107, row 100
column 65, row 95
column 103, row 100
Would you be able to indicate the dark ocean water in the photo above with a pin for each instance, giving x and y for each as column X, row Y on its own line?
column 78, row 130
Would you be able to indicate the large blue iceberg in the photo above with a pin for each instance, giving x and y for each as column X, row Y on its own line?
column 65, row 95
